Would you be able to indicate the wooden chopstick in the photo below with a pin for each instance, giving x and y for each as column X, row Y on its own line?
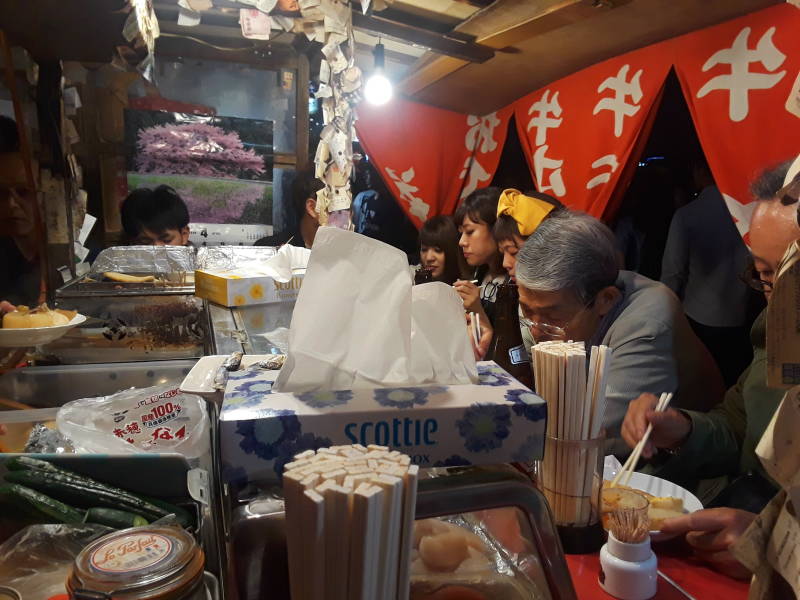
column 474, row 324
column 629, row 467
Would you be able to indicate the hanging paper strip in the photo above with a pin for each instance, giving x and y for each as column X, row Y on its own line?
column 578, row 133
column 430, row 157
column 741, row 81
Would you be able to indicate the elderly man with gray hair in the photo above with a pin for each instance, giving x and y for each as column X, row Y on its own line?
column 571, row 287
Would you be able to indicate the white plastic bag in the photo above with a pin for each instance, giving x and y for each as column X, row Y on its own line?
column 154, row 419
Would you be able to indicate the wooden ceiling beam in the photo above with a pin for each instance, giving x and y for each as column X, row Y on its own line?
column 439, row 43
column 508, row 23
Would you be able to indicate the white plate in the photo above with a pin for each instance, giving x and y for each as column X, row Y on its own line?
column 35, row 336
column 200, row 379
column 657, row 487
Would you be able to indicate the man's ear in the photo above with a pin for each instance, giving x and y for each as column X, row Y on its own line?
column 606, row 299
column 311, row 208
column 184, row 235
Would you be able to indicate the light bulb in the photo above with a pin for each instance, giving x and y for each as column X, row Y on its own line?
column 378, row 89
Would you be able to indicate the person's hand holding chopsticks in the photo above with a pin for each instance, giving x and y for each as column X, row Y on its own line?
column 670, row 428
column 470, row 294
column 711, row 533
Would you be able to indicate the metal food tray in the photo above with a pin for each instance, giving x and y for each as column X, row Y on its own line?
column 178, row 283
column 257, row 537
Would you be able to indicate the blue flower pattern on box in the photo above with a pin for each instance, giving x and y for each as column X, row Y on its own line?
column 288, row 450
column 325, row 399
column 246, row 393
column 493, row 375
column 527, row 404
column 264, row 437
column 406, row 397
column 530, row 448
column 484, row 427
column 251, row 372
column 453, row 461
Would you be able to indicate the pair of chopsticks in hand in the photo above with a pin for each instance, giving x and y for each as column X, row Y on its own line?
column 475, row 328
column 624, row 475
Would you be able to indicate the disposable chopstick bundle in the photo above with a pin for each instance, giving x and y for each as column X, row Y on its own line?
column 350, row 518
column 575, row 405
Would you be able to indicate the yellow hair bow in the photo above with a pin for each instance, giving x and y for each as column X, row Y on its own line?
column 526, row 211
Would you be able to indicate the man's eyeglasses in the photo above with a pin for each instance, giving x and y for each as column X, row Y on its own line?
column 754, row 281
column 551, row 331
column 554, row 332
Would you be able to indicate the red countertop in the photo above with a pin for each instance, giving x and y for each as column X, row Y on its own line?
column 693, row 576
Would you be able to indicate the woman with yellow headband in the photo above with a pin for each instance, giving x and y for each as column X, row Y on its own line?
column 518, row 216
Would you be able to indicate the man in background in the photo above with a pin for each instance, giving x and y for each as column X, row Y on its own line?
column 304, row 201
column 19, row 243
column 703, row 262
column 155, row 217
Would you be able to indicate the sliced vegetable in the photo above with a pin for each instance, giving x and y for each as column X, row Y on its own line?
column 86, row 493
column 118, row 519
column 42, row 504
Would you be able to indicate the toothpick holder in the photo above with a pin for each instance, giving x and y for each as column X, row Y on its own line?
column 628, row 571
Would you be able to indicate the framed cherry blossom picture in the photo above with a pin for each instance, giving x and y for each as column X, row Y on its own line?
column 221, row 166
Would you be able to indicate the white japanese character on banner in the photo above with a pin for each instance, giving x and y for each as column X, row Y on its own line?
column 417, row 206
column 481, row 132
column 622, row 88
column 741, row 80
column 609, row 160
column 555, row 182
column 541, row 121
column 475, row 174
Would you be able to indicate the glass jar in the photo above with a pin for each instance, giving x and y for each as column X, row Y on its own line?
column 141, row 563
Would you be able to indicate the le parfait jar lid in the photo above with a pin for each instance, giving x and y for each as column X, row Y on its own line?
column 140, row 563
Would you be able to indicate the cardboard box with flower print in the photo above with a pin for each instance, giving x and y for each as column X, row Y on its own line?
column 498, row 420
column 232, row 288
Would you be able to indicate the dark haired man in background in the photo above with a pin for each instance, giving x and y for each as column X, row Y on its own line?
column 155, row 217
column 304, row 201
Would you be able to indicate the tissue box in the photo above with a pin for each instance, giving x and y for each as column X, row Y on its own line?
column 498, row 420
column 239, row 288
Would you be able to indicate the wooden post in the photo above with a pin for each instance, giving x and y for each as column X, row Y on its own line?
column 301, row 111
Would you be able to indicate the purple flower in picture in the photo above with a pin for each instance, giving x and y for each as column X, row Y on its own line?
column 197, row 149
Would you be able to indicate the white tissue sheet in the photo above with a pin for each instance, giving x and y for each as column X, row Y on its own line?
column 288, row 259
column 357, row 324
